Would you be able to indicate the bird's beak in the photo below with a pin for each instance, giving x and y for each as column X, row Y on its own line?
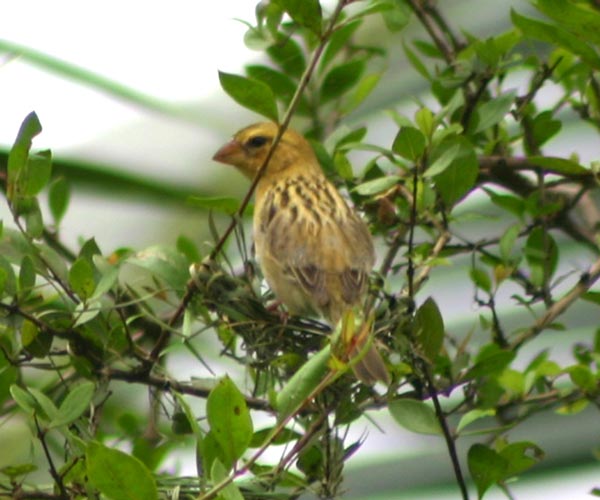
column 230, row 153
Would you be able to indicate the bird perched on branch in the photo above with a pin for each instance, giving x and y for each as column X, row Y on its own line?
column 314, row 250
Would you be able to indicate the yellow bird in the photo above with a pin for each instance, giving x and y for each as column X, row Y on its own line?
column 314, row 250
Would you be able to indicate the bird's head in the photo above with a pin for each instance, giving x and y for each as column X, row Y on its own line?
column 249, row 147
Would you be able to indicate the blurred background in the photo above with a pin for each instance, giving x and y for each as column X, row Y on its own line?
column 128, row 95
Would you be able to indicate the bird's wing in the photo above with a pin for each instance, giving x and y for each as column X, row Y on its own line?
column 329, row 258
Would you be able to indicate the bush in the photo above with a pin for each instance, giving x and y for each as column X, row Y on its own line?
column 464, row 183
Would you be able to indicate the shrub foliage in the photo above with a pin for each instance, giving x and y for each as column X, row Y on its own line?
column 464, row 186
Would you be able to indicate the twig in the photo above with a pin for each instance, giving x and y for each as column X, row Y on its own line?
column 165, row 384
column 446, row 431
column 53, row 274
column 436, row 34
column 41, row 434
column 436, row 250
column 559, row 307
column 410, row 271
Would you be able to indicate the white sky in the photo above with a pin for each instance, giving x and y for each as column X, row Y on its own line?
column 170, row 50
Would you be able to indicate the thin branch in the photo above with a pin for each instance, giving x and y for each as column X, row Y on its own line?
column 41, row 435
column 436, row 34
column 165, row 384
column 559, row 307
column 440, row 244
column 451, row 445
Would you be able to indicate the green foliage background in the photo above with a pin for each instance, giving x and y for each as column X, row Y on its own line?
column 462, row 191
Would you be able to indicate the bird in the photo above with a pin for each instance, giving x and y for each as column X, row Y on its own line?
column 313, row 249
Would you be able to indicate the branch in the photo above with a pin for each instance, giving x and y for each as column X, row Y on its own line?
column 165, row 384
column 432, row 27
column 451, row 445
column 583, row 285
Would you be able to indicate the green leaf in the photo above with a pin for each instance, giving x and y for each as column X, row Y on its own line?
column 361, row 92
column 486, row 466
column 36, row 175
column 26, row 274
column 108, row 277
column 188, row 248
column 409, row 143
column 507, row 202
column 544, row 127
column 218, row 473
column 34, row 224
column 518, row 458
column 415, row 416
column 559, row 166
column 473, row 415
column 577, row 17
column 425, row 119
column 456, row 180
column 396, row 15
column 17, row 158
column 443, row 161
column 9, row 280
column 281, row 84
column 555, row 35
column 14, row 471
column 46, row 407
column 229, row 419
column 222, row 204
column 251, row 94
column 164, row 263
column 77, row 401
column 303, row 382
column 376, row 186
column 24, row 399
column 415, row 60
column 35, row 341
column 338, row 41
column 305, row 12
column 492, row 112
column 340, row 79
column 507, row 242
column 287, row 54
column 119, row 475
column 583, row 378
column 481, row 279
column 429, row 329
column 58, row 198
column 81, row 278
column 490, row 360
column 541, row 253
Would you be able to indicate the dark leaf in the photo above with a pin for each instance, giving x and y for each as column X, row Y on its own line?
column 305, row 12
column 415, row 416
column 119, row 475
column 251, row 94
column 340, row 79
column 409, row 143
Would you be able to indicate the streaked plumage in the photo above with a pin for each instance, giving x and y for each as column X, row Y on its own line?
column 314, row 250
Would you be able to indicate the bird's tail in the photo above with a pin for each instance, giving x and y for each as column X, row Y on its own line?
column 356, row 336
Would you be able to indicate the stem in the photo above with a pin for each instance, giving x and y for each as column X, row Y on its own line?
column 41, row 434
column 447, row 434
column 583, row 285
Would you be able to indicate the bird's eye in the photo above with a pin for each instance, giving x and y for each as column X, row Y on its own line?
column 257, row 141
